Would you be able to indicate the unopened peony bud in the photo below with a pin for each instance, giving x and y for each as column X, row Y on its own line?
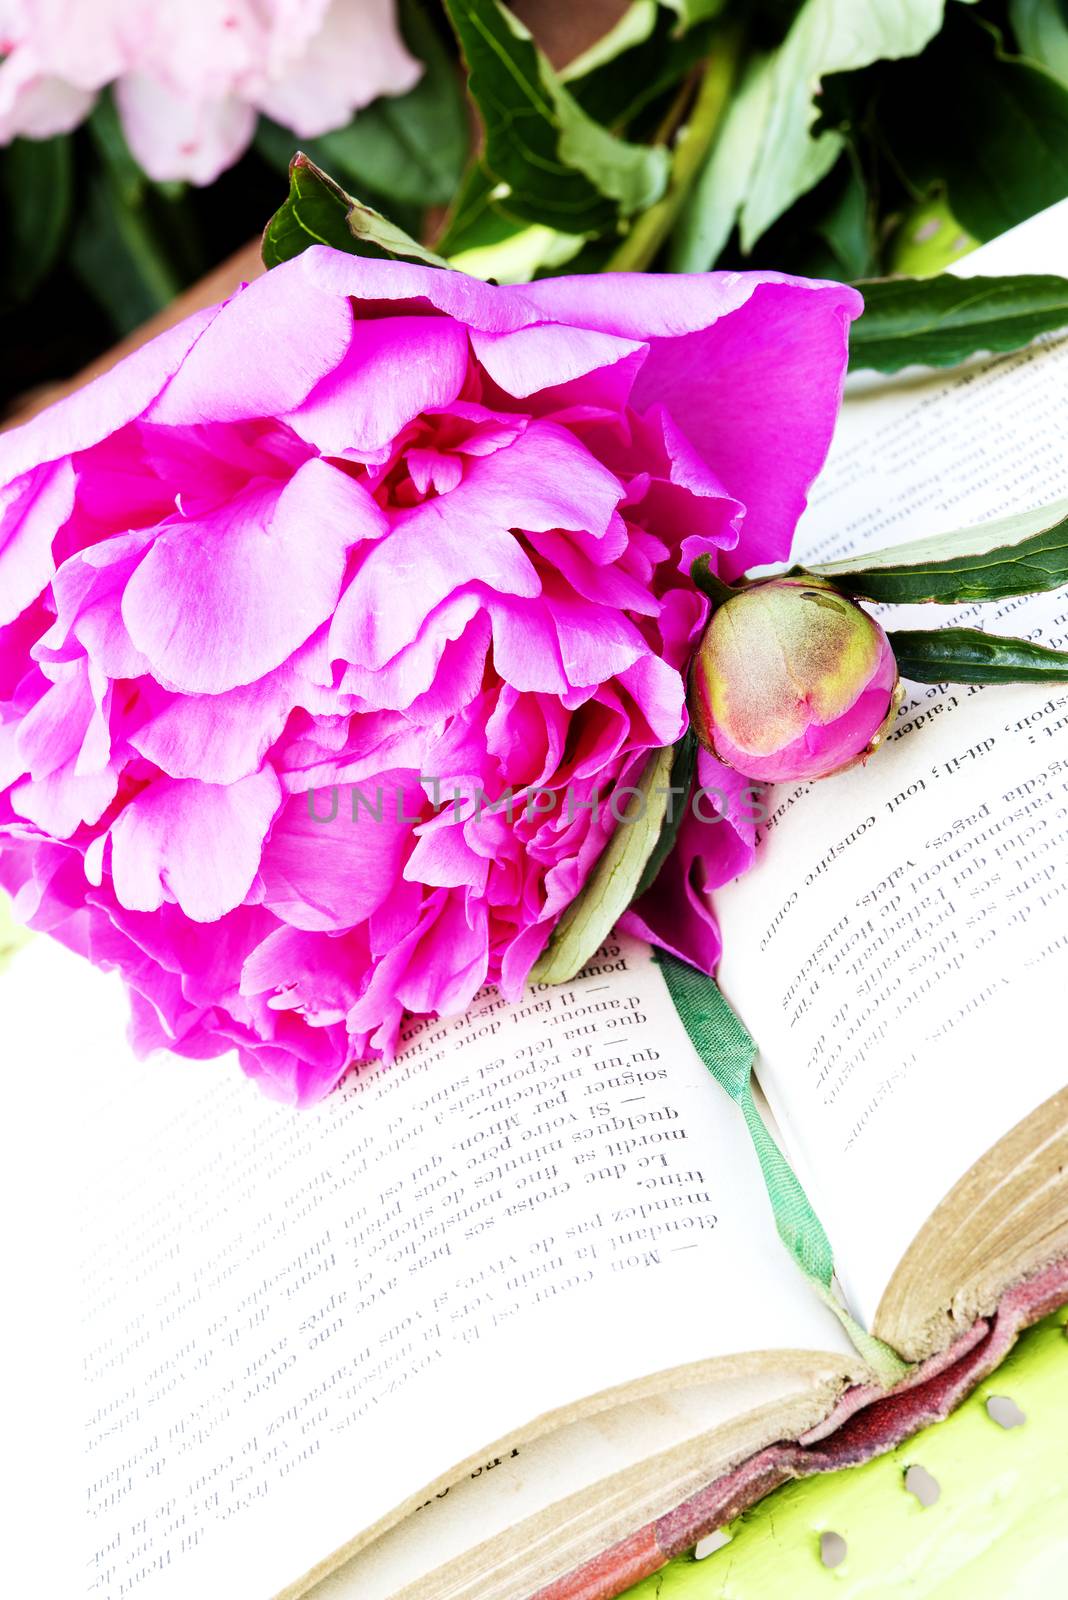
column 792, row 680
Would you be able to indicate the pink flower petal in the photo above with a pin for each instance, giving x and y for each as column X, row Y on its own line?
column 32, row 509
column 394, row 368
column 547, row 355
column 543, row 480
column 234, row 372
column 97, row 409
column 219, row 603
column 220, row 737
column 333, row 873
column 198, row 844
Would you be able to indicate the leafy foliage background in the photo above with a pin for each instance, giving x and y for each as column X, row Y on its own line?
column 844, row 138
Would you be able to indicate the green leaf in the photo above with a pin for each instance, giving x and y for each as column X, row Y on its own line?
column 561, row 168
column 590, row 918
column 827, row 36
column 520, row 255
column 990, row 126
column 940, row 321
column 965, row 655
column 120, row 255
column 683, row 771
column 127, row 177
column 12, row 934
column 846, row 224
column 318, row 211
column 628, row 72
column 709, row 214
column 1041, row 29
column 37, row 201
column 1022, row 554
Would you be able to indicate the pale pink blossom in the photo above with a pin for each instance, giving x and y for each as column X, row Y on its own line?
column 191, row 76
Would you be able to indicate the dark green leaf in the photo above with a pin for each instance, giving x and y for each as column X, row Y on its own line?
column 590, row 918
column 1023, row 554
column 964, row 655
column 616, row 86
column 278, row 147
column 120, row 255
column 560, row 167
column 37, row 198
column 845, row 224
column 318, row 211
column 126, row 175
column 992, row 127
column 940, row 321
column 683, row 769
column 827, row 36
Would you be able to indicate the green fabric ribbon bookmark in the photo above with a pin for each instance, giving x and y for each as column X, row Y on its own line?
column 728, row 1052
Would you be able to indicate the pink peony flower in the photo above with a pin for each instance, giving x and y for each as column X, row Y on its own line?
column 190, row 79
column 793, row 680
column 331, row 621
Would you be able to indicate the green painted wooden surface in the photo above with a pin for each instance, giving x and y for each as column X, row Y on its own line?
column 998, row 1529
column 11, row 934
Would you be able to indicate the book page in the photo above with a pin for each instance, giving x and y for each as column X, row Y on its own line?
column 900, row 952
column 291, row 1322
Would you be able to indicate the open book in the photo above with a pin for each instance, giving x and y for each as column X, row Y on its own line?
column 484, row 1322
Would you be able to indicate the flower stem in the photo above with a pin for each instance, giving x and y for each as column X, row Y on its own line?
column 642, row 244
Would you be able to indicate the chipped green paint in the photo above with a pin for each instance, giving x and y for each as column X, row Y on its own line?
column 997, row 1529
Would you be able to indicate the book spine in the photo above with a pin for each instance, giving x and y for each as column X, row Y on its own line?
column 928, row 1396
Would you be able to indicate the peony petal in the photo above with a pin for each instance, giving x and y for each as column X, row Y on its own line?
column 417, row 668
column 543, row 480
column 320, row 270
column 316, row 972
column 596, row 642
column 36, row 105
column 758, row 395
column 61, row 802
column 356, row 55
column 443, row 857
column 750, row 365
column 100, row 408
column 326, row 874
column 220, row 737
column 51, row 733
column 219, row 603
column 32, row 509
column 448, row 965
column 547, row 355
column 526, row 646
column 87, row 592
column 394, row 368
column 198, row 844
column 235, row 372
column 176, row 136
